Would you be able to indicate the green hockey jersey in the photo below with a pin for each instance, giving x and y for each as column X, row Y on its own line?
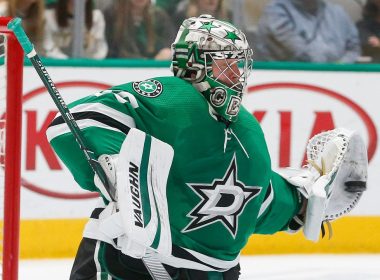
column 221, row 188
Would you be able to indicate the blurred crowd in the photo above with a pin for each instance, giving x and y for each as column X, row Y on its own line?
column 331, row 31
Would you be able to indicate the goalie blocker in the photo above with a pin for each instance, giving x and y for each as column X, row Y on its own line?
column 139, row 219
column 333, row 180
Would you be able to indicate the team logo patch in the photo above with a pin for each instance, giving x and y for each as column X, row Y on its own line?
column 221, row 201
column 148, row 88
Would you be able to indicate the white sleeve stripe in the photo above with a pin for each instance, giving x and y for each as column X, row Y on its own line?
column 106, row 110
column 58, row 130
column 132, row 99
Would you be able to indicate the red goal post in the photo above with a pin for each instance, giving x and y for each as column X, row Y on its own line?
column 11, row 69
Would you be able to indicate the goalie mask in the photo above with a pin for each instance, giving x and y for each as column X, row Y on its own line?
column 215, row 57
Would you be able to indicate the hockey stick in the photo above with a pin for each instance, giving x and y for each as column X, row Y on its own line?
column 15, row 26
column 154, row 267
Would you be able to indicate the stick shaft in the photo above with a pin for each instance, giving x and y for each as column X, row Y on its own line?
column 15, row 26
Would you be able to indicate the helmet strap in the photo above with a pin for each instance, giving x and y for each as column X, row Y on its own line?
column 202, row 86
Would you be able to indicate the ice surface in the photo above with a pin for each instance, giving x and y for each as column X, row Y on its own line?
column 283, row 267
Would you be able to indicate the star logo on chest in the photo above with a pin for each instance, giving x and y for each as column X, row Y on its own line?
column 221, row 201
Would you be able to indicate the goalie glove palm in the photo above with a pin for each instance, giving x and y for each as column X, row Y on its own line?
column 334, row 179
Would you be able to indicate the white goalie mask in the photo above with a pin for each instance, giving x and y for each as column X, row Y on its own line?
column 216, row 58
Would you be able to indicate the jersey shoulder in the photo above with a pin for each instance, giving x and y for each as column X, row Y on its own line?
column 157, row 87
column 247, row 120
column 164, row 95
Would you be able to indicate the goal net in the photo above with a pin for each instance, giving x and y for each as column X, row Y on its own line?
column 11, row 63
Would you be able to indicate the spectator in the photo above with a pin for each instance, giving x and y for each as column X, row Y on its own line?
column 59, row 31
column 369, row 30
column 3, row 7
column 103, row 4
column 312, row 30
column 32, row 14
column 194, row 8
column 137, row 29
column 169, row 6
column 50, row 3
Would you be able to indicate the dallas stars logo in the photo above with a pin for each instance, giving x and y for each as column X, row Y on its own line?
column 148, row 88
column 222, row 201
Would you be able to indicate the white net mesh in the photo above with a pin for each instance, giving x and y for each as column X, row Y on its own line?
column 317, row 144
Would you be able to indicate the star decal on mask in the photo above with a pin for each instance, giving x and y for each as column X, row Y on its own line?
column 232, row 36
column 208, row 26
column 222, row 201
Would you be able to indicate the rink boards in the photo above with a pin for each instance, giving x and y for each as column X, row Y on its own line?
column 59, row 238
column 291, row 105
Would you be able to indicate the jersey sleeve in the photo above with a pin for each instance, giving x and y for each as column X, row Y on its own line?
column 104, row 120
column 283, row 202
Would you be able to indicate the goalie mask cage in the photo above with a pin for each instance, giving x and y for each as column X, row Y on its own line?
column 11, row 66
